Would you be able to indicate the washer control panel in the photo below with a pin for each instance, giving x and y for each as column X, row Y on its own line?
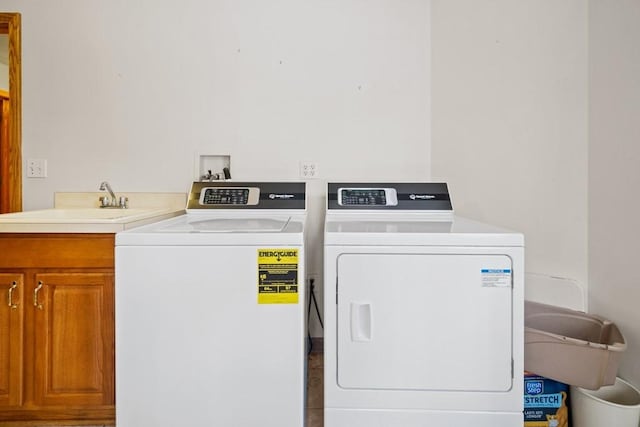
column 207, row 196
column 213, row 196
column 367, row 196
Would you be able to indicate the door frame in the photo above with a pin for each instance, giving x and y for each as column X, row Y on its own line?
column 11, row 150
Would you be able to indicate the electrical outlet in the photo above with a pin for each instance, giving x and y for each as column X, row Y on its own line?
column 36, row 168
column 308, row 170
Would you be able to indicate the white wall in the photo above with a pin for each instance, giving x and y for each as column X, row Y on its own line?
column 128, row 92
column 614, row 172
column 509, row 120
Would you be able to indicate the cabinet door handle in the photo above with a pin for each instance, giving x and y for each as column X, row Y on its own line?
column 35, row 295
column 10, row 297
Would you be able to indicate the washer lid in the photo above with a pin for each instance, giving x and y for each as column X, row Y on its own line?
column 227, row 225
column 218, row 228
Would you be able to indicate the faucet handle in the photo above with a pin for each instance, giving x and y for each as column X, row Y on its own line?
column 105, row 202
column 124, row 202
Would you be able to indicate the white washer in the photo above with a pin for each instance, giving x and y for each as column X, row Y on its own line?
column 210, row 319
column 423, row 311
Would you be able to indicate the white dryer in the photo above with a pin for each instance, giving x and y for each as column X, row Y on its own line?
column 423, row 311
column 210, row 319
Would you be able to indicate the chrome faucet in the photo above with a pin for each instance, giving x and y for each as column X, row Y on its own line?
column 105, row 202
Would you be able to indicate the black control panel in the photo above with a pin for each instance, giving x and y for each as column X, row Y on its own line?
column 226, row 196
column 381, row 196
column 370, row 197
column 213, row 195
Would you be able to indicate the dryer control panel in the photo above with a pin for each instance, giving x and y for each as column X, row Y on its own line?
column 405, row 196
column 367, row 197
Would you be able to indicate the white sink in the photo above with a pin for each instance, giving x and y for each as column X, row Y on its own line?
column 89, row 220
column 79, row 214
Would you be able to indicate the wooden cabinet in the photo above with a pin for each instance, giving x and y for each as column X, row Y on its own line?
column 57, row 328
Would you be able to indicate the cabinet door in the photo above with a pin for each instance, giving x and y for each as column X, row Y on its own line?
column 11, row 332
column 74, row 339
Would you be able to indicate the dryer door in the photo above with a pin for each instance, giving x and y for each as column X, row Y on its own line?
column 425, row 322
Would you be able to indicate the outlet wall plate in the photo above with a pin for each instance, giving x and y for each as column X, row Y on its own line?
column 308, row 170
column 36, row 168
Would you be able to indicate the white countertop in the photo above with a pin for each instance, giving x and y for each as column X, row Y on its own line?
column 79, row 213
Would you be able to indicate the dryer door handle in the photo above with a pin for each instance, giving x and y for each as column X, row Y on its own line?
column 361, row 322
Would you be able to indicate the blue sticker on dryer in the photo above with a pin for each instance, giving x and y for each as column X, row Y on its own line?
column 495, row 277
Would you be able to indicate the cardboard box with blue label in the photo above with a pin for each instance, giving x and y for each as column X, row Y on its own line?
column 546, row 402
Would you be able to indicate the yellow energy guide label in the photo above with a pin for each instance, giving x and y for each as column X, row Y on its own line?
column 278, row 276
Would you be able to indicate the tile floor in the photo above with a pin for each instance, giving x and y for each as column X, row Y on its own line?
column 315, row 392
